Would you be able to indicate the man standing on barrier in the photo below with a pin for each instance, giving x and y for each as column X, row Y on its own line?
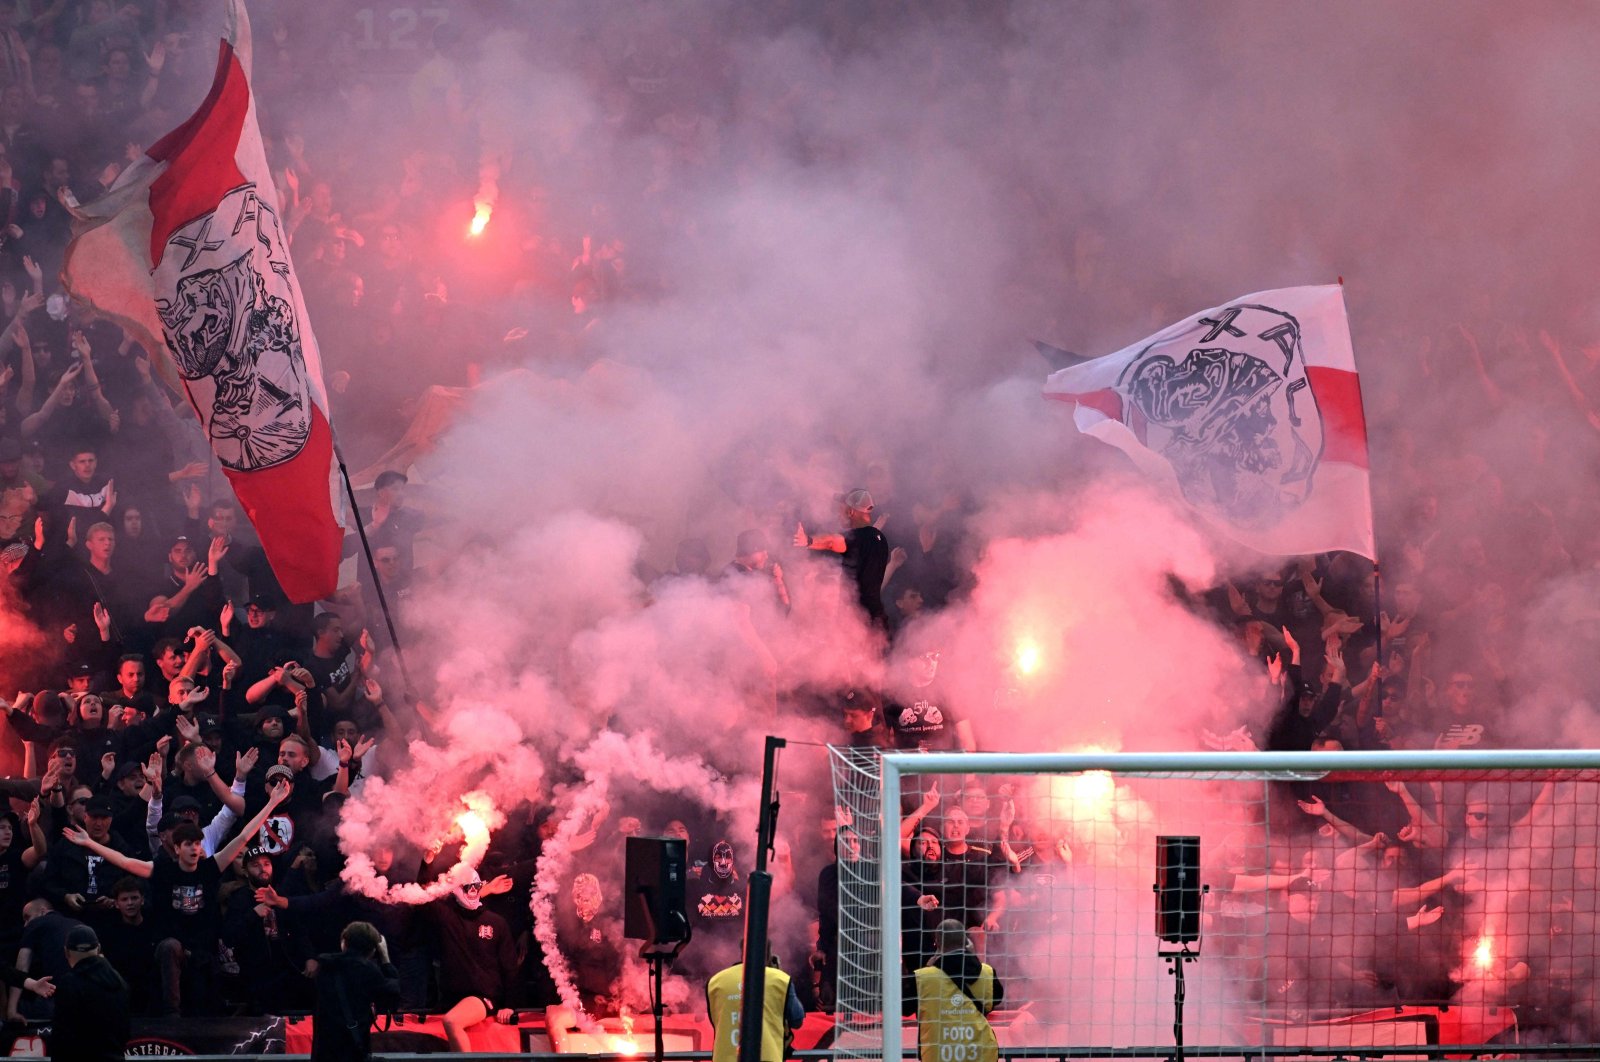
column 952, row 997
column 781, row 1011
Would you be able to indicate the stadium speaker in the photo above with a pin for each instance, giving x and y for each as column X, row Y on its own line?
column 1178, row 889
column 656, row 874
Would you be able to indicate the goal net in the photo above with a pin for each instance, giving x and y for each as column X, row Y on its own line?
column 1381, row 900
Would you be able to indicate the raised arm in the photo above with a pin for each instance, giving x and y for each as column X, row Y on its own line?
column 828, row 541
column 38, row 847
column 139, row 868
column 909, row 824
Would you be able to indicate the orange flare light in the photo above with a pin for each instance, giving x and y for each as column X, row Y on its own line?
column 473, row 828
column 480, row 219
column 1027, row 657
column 1483, row 954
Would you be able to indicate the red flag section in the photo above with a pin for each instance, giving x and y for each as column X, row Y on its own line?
column 187, row 249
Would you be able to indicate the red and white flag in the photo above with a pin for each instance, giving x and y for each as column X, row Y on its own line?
column 188, row 250
column 1251, row 410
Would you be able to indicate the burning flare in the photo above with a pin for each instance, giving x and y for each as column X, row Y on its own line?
column 1483, row 954
column 476, row 824
column 480, row 219
column 1027, row 657
column 625, row 1044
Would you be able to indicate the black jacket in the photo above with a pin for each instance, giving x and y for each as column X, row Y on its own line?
column 92, row 1013
column 350, row 990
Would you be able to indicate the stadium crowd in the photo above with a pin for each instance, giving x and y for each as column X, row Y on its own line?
column 186, row 738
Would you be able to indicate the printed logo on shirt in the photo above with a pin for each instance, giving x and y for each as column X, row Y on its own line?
column 276, row 835
column 485, row 931
column 188, row 899
column 922, row 715
column 94, row 862
column 714, row 906
column 1458, row 735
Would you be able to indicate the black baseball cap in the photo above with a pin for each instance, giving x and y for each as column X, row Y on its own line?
column 81, row 938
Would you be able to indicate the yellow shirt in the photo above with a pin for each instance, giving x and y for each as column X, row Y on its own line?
column 725, row 993
column 950, row 1026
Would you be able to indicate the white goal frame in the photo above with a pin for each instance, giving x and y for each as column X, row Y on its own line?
column 1286, row 766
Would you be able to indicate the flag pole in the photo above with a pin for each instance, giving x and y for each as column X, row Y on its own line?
column 1377, row 569
column 377, row 581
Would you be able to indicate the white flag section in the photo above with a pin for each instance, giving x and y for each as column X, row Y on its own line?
column 187, row 249
column 1251, row 411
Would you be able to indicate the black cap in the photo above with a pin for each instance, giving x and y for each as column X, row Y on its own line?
column 79, row 671
column 184, row 803
column 125, row 768
column 168, row 821
column 264, row 602
column 209, row 725
column 81, row 938
column 100, row 805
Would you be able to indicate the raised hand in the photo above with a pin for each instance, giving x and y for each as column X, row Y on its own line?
column 33, row 269
column 245, row 762
column 363, row 746
column 102, row 619
column 497, row 885
column 194, row 576
column 75, row 835
column 187, row 729
column 194, row 697
column 226, row 617
column 205, row 759
column 152, row 770
column 1313, row 806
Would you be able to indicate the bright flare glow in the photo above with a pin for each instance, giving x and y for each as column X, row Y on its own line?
column 1093, row 792
column 1027, row 657
column 1483, row 954
column 625, row 1044
column 480, row 219
column 472, row 826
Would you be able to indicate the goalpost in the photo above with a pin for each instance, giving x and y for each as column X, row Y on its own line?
column 1371, row 899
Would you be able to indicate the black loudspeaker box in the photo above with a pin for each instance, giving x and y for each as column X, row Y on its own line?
column 1178, row 889
column 657, row 877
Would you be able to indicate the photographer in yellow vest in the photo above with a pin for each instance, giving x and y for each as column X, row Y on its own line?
column 953, row 996
column 780, row 1011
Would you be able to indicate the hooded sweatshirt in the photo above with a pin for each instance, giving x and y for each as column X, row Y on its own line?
column 91, row 1021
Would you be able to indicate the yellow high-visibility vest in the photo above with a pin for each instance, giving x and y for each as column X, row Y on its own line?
column 725, row 993
column 950, row 1026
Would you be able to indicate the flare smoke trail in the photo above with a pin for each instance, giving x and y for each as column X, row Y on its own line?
column 609, row 757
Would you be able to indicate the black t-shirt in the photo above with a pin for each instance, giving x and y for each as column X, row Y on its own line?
column 13, row 889
column 923, row 720
column 331, row 674
column 866, row 558
column 965, row 889
column 184, row 904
